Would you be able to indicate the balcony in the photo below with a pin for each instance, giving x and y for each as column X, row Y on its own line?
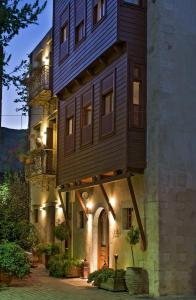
column 40, row 165
column 39, row 86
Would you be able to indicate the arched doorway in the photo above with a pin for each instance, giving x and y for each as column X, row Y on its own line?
column 103, row 240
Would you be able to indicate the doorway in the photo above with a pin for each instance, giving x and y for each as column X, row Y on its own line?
column 103, row 240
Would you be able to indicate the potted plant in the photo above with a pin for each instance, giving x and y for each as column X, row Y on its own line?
column 62, row 233
column 48, row 250
column 135, row 277
column 61, row 267
column 13, row 262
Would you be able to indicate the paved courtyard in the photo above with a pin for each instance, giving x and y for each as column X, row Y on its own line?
column 39, row 286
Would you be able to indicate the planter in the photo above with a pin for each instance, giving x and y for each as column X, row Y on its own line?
column 136, row 281
column 114, row 285
column 74, row 272
column 5, row 278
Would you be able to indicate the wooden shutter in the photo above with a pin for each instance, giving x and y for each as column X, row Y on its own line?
column 70, row 139
column 80, row 7
column 86, row 131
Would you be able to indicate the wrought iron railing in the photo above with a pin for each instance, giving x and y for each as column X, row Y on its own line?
column 39, row 81
column 43, row 163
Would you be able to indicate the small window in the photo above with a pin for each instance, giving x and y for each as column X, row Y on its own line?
column 135, row 2
column 36, row 215
column 81, row 219
column 127, row 218
column 70, row 125
column 108, row 103
column 136, row 92
column 137, row 98
column 87, row 115
column 99, row 11
column 80, row 32
column 64, row 33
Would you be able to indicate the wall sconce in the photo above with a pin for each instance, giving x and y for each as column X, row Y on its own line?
column 42, row 208
column 89, row 207
column 113, row 201
column 58, row 206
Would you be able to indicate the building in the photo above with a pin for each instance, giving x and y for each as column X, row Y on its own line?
column 40, row 168
column 124, row 74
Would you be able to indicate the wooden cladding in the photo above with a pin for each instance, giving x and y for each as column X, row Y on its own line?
column 137, row 96
column 107, row 105
column 87, row 117
column 70, row 127
column 64, row 34
column 80, row 20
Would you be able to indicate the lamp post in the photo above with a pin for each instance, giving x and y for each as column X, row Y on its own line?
column 116, row 263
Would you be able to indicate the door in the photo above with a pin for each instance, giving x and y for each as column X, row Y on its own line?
column 103, row 240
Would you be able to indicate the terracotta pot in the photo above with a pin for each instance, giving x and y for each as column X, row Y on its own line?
column 74, row 272
column 5, row 278
column 136, row 281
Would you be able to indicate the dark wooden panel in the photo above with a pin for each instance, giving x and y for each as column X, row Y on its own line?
column 105, row 35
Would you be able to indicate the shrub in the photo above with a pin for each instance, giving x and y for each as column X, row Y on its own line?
column 48, row 249
column 97, row 277
column 13, row 260
column 61, row 232
column 59, row 266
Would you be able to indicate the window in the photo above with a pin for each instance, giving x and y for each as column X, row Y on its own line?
column 64, row 33
column 108, row 103
column 81, row 219
column 80, row 32
column 36, row 215
column 127, row 218
column 137, row 98
column 70, row 125
column 99, row 10
column 87, row 115
column 135, row 2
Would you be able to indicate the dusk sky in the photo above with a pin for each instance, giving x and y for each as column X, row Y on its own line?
column 20, row 47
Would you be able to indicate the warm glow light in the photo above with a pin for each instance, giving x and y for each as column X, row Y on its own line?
column 58, row 205
column 113, row 201
column 42, row 208
column 89, row 205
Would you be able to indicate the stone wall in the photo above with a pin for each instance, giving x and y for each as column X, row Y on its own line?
column 171, row 140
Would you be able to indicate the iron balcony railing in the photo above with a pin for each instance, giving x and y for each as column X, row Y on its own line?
column 43, row 163
column 39, row 81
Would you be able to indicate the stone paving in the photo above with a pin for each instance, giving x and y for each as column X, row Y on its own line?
column 39, row 286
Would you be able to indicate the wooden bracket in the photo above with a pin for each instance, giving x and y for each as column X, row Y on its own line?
column 107, row 201
column 63, row 207
column 135, row 206
column 81, row 202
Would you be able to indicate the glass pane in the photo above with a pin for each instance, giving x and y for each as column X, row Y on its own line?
column 64, row 34
column 87, row 115
column 70, row 126
column 108, row 103
column 136, row 92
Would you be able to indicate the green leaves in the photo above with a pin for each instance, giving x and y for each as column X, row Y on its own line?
column 61, row 232
column 13, row 260
column 133, row 235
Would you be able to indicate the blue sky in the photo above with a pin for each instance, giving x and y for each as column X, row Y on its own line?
column 20, row 47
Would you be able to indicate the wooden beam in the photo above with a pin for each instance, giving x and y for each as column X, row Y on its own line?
column 108, row 201
column 81, row 202
column 63, row 206
column 135, row 206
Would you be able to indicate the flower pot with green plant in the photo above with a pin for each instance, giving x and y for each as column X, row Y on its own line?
column 48, row 250
column 135, row 277
column 13, row 262
column 62, row 233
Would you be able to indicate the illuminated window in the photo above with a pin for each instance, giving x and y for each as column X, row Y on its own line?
column 64, row 33
column 87, row 115
column 108, row 103
column 137, row 98
column 127, row 218
column 80, row 32
column 70, row 125
column 99, row 11
column 136, row 92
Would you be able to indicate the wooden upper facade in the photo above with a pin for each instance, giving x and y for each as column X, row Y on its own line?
column 99, row 75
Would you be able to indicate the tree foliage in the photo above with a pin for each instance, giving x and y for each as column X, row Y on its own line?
column 14, row 16
column 14, row 212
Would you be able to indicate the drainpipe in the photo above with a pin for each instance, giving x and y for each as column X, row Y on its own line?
column 72, row 222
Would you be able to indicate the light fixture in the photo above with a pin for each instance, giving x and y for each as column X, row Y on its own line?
column 89, row 206
column 59, row 205
column 42, row 208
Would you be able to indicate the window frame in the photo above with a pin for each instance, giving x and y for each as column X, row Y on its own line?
column 126, row 224
column 95, row 24
column 77, row 41
column 64, row 46
column 112, row 114
column 69, row 139
column 86, row 130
